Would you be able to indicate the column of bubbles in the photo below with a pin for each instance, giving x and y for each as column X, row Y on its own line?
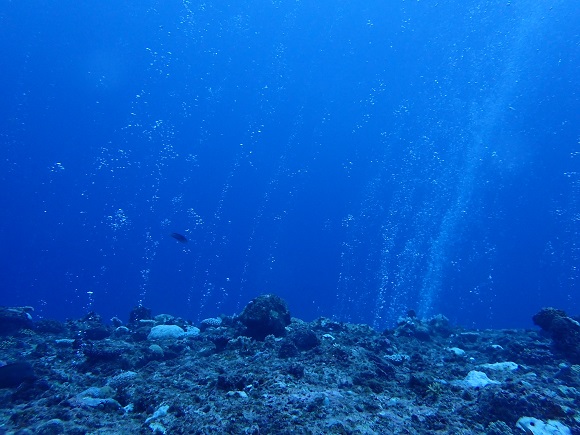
column 270, row 92
column 130, row 169
column 268, row 217
column 573, row 229
column 451, row 164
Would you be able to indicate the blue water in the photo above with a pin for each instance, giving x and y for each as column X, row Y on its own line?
column 359, row 159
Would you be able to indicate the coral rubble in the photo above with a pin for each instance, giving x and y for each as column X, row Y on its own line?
column 264, row 373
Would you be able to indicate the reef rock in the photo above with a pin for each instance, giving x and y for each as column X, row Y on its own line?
column 564, row 330
column 265, row 315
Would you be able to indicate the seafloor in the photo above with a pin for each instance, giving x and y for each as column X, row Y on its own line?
column 262, row 372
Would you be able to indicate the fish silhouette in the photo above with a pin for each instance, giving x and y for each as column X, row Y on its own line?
column 179, row 237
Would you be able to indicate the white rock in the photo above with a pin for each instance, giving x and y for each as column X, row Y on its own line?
column 534, row 426
column 156, row 350
column 241, row 394
column 192, row 331
column 161, row 412
column 162, row 332
column 477, row 379
column 501, row 366
column 157, row 427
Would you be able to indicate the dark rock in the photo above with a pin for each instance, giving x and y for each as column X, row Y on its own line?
column 296, row 370
column 546, row 318
column 503, row 406
column 440, row 325
column 101, row 353
column 92, row 317
column 265, row 315
column 570, row 375
column 12, row 375
column 369, row 379
column 220, row 337
column 232, row 382
column 340, row 356
column 46, row 326
column 141, row 333
column 96, row 332
column 420, row 384
column 413, row 327
column 139, row 313
column 383, row 369
column 220, row 341
column 467, row 338
column 564, row 330
column 417, row 362
column 422, row 333
column 41, row 349
column 287, row 350
column 13, row 319
column 51, row 427
column 27, row 391
column 304, row 339
column 327, row 325
column 498, row 428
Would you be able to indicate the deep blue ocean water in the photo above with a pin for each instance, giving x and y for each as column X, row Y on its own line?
column 359, row 159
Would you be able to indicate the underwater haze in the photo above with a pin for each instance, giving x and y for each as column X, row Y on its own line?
column 357, row 158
